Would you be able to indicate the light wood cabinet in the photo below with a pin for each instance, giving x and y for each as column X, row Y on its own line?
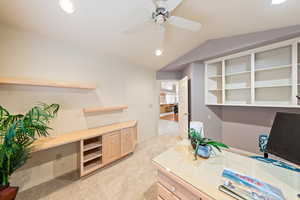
column 127, row 143
column 102, row 150
column 111, row 147
column 134, row 132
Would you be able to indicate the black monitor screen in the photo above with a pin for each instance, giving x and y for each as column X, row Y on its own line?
column 284, row 139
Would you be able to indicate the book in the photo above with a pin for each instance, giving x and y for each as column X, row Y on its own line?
column 249, row 188
column 231, row 193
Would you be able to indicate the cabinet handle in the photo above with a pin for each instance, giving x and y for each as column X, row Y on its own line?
column 173, row 189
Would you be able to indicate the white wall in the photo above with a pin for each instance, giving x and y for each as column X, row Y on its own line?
column 25, row 55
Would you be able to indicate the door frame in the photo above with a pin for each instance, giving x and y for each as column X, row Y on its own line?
column 158, row 86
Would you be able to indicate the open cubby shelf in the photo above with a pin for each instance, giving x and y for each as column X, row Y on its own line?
column 241, row 88
column 92, row 165
column 266, row 76
column 92, row 143
column 238, row 73
column 217, row 76
column 258, row 69
column 92, row 146
column 91, row 154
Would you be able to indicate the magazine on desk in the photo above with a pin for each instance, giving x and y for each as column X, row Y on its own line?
column 245, row 187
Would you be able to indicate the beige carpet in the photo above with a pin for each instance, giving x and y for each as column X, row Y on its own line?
column 132, row 178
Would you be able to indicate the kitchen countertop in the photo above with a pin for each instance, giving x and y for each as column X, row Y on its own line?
column 205, row 174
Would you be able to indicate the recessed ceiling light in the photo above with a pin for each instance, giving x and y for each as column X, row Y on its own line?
column 158, row 52
column 67, row 6
column 276, row 2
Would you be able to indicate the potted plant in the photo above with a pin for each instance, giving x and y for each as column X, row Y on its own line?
column 203, row 146
column 17, row 133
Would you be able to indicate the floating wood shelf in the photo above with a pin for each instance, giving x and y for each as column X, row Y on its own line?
column 44, row 83
column 104, row 109
column 76, row 136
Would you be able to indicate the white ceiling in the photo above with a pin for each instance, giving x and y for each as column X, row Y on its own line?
column 99, row 24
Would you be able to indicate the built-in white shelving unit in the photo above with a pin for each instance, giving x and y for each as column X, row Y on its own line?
column 267, row 76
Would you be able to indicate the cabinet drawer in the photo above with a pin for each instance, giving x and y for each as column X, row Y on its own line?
column 164, row 193
column 176, row 188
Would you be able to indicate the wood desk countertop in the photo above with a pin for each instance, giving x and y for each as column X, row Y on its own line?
column 51, row 142
column 205, row 174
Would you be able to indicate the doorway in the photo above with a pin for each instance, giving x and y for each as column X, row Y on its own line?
column 168, row 117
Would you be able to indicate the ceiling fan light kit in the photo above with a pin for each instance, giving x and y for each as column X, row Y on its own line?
column 277, row 2
column 158, row 52
column 67, row 6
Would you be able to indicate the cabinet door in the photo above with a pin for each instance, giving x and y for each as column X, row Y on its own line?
column 111, row 147
column 134, row 136
column 127, row 141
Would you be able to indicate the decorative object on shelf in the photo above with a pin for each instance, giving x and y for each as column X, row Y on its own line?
column 17, row 133
column 262, row 143
column 203, row 146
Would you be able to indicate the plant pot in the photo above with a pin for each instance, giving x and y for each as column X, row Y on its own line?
column 8, row 193
column 204, row 151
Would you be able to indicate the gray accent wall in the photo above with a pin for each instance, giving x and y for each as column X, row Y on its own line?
column 238, row 127
column 242, row 126
column 210, row 116
column 160, row 75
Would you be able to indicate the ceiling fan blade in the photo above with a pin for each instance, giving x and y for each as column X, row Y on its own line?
column 185, row 23
column 150, row 5
column 172, row 4
column 136, row 28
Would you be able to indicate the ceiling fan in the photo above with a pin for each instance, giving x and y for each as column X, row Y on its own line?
column 159, row 13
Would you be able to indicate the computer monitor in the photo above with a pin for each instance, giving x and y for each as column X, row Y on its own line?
column 284, row 139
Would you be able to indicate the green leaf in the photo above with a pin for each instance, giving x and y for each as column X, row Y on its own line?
column 18, row 132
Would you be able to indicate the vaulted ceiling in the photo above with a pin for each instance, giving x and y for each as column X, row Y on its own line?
column 99, row 25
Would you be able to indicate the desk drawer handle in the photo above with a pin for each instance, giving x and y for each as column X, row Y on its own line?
column 173, row 189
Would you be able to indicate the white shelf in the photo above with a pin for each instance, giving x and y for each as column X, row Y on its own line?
column 241, row 88
column 257, row 105
column 238, row 73
column 214, row 90
column 261, row 77
column 272, row 86
column 216, row 76
column 272, row 68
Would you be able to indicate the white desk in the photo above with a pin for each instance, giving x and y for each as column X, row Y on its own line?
column 202, row 177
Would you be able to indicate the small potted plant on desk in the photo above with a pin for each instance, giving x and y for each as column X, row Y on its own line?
column 203, row 146
column 17, row 133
